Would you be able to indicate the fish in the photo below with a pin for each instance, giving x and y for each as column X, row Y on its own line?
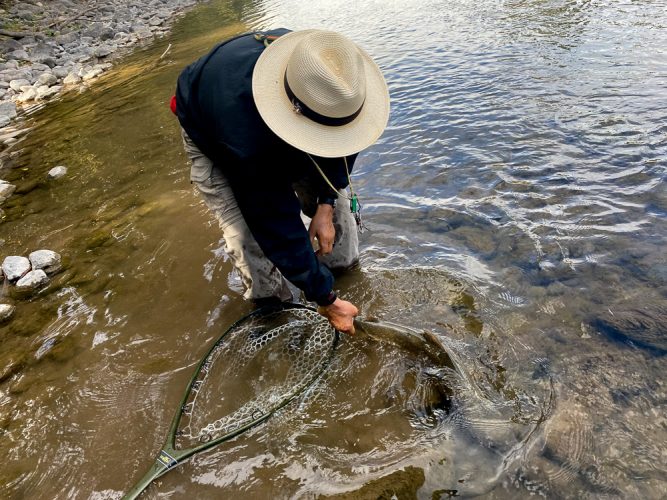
column 407, row 338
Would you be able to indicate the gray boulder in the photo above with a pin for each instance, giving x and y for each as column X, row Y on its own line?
column 47, row 79
column 60, row 72
column 66, row 38
column 32, row 280
column 47, row 260
column 103, row 50
column 19, row 55
column 15, row 267
column 8, row 109
column 17, row 84
column 10, row 45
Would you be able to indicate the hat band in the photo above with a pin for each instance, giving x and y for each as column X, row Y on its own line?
column 304, row 110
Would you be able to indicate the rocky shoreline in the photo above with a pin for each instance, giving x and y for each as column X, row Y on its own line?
column 47, row 47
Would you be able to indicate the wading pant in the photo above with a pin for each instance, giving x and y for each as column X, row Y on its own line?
column 260, row 276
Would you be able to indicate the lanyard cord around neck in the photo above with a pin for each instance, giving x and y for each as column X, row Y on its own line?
column 354, row 201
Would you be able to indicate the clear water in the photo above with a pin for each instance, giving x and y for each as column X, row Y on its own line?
column 516, row 207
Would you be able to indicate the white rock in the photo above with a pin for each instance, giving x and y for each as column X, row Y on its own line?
column 15, row 267
column 45, row 91
column 17, row 84
column 46, row 79
column 48, row 260
column 57, row 172
column 6, row 312
column 72, row 78
column 93, row 73
column 6, row 190
column 32, row 280
column 28, row 95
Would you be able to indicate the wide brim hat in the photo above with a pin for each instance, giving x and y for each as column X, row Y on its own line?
column 280, row 114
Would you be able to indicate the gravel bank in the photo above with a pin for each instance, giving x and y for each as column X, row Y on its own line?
column 48, row 46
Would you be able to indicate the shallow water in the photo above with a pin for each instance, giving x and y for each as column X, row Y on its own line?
column 516, row 209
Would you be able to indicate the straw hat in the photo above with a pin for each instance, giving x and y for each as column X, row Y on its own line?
column 321, row 93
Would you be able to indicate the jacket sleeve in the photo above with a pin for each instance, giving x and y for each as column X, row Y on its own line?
column 273, row 214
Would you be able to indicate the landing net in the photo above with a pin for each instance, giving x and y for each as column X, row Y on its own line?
column 263, row 362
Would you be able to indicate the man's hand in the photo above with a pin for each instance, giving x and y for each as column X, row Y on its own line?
column 322, row 228
column 340, row 314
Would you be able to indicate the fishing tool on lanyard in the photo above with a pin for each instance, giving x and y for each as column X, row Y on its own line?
column 355, row 206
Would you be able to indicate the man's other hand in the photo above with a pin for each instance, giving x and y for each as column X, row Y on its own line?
column 341, row 315
column 322, row 228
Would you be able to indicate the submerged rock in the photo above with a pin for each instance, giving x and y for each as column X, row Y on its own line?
column 32, row 280
column 6, row 190
column 48, row 260
column 6, row 312
column 57, row 172
column 15, row 267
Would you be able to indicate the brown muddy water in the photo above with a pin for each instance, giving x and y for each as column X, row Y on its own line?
column 516, row 210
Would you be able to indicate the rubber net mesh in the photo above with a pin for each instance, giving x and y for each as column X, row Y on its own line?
column 259, row 365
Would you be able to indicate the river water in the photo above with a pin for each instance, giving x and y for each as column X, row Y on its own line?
column 515, row 208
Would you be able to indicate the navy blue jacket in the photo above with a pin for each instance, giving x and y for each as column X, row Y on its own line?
column 214, row 105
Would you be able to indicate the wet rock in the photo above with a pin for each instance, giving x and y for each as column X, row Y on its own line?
column 45, row 91
column 57, row 172
column 403, row 483
column 32, row 280
column 93, row 73
column 10, row 367
column 6, row 190
column 6, row 312
column 15, row 267
column 47, row 260
column 639, row 328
